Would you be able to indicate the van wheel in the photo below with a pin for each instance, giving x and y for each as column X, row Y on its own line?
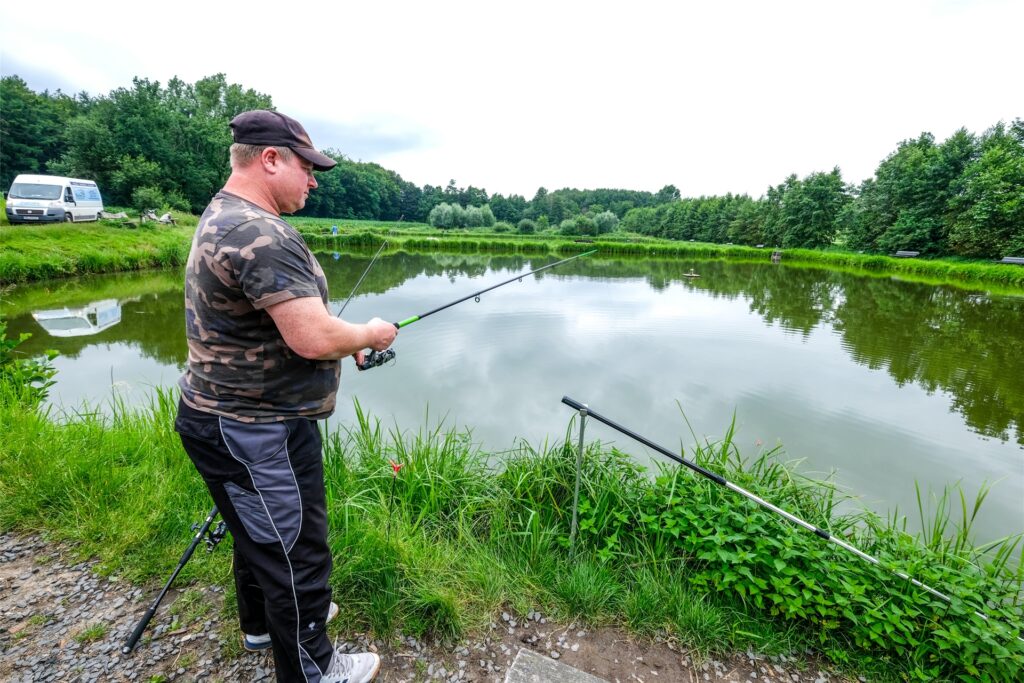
column 68, row 218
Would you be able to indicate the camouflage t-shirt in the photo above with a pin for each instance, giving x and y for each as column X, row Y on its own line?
column 243, row 260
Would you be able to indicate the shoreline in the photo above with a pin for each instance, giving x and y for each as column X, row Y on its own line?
column 60, row 619
column 437, row 552
column 41, row 252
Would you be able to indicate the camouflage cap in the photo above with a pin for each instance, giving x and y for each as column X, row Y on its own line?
column 274, row 129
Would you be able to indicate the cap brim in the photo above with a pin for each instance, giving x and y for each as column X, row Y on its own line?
column 321, row 162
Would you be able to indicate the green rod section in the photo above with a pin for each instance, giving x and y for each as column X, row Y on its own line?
column 409, row 321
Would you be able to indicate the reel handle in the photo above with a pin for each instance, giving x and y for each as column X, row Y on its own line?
column 375, row 359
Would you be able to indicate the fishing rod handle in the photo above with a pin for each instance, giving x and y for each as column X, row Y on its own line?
column 129, row 644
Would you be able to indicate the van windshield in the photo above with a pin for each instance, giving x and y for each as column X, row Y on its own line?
column 34, row 191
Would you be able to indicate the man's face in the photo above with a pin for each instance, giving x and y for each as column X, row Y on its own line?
column 294, row 181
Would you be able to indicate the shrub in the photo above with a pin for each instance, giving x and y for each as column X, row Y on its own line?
column 488, row 215
column 527, row 227
column 585, row 226
column 474, row 217
column 502, row 226
column 568, row 227
column 442, row 216
column 606, row 221
column 145, row 198
column 177, row 201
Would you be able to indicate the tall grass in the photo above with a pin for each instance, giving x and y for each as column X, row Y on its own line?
column 456, row 534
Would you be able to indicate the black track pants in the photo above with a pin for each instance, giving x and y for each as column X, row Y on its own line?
column 268, row 483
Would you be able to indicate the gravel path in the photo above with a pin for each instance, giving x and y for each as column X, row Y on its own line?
column 59, row 621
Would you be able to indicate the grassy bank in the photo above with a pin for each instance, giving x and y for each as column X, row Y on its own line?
column 438, row 548
column 39, row 252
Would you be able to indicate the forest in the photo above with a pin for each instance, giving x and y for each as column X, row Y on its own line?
column 154, row 146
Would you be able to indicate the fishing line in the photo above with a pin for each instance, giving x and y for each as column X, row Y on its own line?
column 360, row 280
column 377, row 358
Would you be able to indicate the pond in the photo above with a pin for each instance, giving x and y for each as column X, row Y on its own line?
column 881, row 382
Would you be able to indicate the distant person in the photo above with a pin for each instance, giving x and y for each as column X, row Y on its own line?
column 264, row 361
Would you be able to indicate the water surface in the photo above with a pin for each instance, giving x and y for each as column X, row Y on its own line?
column 883, row 382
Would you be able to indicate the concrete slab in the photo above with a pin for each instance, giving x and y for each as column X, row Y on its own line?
column 530, row 667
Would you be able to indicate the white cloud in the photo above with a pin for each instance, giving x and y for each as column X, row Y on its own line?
column 726, row 97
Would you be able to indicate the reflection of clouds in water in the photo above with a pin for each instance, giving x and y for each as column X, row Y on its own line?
column 105, row 371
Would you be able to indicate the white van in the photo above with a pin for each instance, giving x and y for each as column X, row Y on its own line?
column 48, row 198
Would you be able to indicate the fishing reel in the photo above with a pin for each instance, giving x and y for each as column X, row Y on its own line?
column 374, row 359
column 212, row 536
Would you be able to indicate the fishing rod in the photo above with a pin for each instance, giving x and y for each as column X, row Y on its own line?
column 585, row 412
column 212, row 538
column 377, row 358
column 360, row 280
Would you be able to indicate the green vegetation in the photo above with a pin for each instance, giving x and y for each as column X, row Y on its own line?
column 47, row 251
column 438, row 548
column 91, row 633
column 154, row 144
column 25, row 380
column 37, row 252
column 150, row 146
column 189, row 607
column 455, row 216
column 962, row 198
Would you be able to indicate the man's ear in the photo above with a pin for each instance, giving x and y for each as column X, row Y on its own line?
column 270, row 159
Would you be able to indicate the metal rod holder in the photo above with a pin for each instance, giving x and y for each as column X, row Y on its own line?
column 579, row 467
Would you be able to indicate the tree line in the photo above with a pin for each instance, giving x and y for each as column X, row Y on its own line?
column 166, row 146
column 152, row 146
column 961, row 197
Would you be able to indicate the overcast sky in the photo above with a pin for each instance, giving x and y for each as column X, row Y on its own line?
column 712, row 97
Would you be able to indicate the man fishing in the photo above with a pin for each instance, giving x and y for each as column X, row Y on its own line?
column 264, row 358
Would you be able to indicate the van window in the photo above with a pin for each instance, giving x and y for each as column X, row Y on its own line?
column 34, row 191
column 68, row 197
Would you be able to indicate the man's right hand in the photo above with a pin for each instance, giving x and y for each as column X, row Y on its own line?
column 382, row 334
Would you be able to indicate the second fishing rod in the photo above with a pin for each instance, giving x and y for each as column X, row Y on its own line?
column 377, row 358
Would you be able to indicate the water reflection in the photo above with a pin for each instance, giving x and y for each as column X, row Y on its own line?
column 79, row 322
column 885, row 381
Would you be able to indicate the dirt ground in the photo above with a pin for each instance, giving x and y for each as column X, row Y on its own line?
column 59, row 621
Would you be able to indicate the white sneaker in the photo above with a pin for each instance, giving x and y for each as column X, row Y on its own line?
column 357, row 668
column 261, row 641
column 255, row 643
